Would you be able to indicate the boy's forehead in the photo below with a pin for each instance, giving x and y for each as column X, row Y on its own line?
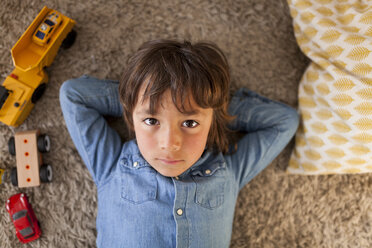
column 189, row 107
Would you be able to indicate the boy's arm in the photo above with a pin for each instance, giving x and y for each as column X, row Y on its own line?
column 268, row 127
column 84, row 101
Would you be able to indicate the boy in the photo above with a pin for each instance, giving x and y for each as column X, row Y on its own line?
column 176, row 183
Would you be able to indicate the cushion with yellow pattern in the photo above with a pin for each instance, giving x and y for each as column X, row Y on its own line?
column 335, row 92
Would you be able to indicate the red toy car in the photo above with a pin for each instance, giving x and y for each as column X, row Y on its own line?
column 23, row 217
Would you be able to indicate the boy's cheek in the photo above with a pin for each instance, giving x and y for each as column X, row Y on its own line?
column 144, row 141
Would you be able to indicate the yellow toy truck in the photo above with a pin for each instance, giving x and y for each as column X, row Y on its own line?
column 27, row 146
column 35, row 50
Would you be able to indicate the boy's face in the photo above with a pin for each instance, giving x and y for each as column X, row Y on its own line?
column 170, row 141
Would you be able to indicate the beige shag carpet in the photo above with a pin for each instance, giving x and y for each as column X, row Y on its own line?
column 273, row 210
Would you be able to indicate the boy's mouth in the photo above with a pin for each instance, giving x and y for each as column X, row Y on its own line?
column 170, row 161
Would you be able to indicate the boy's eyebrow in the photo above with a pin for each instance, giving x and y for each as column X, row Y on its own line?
column 185, row 113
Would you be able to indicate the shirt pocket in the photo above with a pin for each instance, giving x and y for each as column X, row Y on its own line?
column 210, row 188
column 138, row 185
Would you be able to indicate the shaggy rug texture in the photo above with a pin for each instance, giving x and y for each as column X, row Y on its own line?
column 273, row 210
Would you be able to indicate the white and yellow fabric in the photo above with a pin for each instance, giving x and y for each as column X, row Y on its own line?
column 335, row 92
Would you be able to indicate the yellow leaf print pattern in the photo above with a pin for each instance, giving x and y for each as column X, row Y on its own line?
column 359, row 53
column 332, row 165
column 365, row 108
column 328, row 77
column 330, row 36
column 312, row 76
column 360, row 6
column 366, row 18
column 335, row 92
column 313, row 155
column 334, row 50
column 369, row 32
column 343, row 84
column 342, row 99
column 310, row 32
column 366, row 94
column 351, row 171
column 324, row 11
column 324, row 1
column 309, row 89
column 337, row 139
column 342, row 8
column 346, row 19
column 322, row 102
column 307, row 102
column 293, row 164
column 323, row 89
column 356, row 161
column 303, row 4
column 343, row 113
column 319, row 127
column 351, row 29
column 363, row 124
column 359, row 150
column 315, row 141
column 307, row 17
column 323, row 63
column 362, row 69
column 326, row 22
column 341, row 127
column 309, row 167
column 305, row 115
column 335, row 152
column 367, row 81
column 364, row 138
column 354, row 39
column 324, row 114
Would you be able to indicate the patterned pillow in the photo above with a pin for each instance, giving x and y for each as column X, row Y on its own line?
column 335, row 92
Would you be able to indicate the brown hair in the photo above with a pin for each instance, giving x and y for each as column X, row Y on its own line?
column 200, row 70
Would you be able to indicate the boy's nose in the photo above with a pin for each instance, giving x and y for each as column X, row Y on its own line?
column 171, row 140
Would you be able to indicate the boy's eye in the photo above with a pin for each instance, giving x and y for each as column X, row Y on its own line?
column 190, row 124
column 151, row 121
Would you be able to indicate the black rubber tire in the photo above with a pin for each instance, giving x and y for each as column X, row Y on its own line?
column 14, row 177
column 38, row 93
column 69, row 40
column 11, row 146
column 46, row 173
column 43, row 143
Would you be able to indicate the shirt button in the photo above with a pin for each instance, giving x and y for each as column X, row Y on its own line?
column 135, row 164
column 179, row 212
column 208, row 172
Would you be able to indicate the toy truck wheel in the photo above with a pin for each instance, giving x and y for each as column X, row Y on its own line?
column 69, row 40
column 38, row 93
column 11, row 146
column 13, row 177
column 46, row 173
column 43, row 143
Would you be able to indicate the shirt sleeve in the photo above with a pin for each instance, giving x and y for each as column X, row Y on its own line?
column 267, row 125
column 84, row 102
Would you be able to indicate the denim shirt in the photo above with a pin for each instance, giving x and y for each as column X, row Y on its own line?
column 137, row 206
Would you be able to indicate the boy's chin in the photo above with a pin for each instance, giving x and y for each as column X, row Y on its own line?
column 169, row 172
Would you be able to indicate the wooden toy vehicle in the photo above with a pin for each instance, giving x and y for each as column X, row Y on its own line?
column 30, row 171
column 35, row 50
column 23, row 218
